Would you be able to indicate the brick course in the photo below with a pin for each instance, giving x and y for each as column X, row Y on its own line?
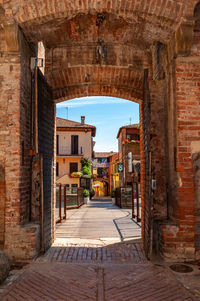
column 71, row 32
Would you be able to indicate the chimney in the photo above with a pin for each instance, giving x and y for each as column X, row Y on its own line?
column 82, row 120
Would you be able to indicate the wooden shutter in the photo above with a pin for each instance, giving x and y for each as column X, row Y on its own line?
column 57, row 144
column 74, row 144
column 57, row 169
column 73, row 167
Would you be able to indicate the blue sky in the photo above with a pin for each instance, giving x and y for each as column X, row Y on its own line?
column 108, row 114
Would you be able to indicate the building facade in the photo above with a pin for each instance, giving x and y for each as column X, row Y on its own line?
column 163, row 78
column 128, row 142
column 101, row 171
column 113, row 171
column 74, row 142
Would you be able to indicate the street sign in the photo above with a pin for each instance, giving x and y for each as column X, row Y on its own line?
column 120, row 167
column 130, row 162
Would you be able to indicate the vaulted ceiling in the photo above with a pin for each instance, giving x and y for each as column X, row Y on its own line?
column 96, row 46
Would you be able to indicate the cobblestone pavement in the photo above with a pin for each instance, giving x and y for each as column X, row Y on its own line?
column 83, row 269
column 51, row 278
column 116, row 253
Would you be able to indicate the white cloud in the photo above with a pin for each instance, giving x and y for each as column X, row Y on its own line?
column 88, row 101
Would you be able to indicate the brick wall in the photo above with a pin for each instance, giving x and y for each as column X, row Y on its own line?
column 175, row 93
column 188, row 148
column 21, row 238
column 9, row 139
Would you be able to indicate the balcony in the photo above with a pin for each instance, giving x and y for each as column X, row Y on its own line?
column 66, row 152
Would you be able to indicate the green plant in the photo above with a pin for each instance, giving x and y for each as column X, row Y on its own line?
column 86, row 193
column 76, row 174
column 112, row 193
column 86, row 171
column 86, row 167
column 86, row 162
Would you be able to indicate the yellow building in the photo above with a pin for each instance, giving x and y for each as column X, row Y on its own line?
column 74, row 142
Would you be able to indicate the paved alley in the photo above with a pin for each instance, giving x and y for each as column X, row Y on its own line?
column 97, row 256
column 99, row 221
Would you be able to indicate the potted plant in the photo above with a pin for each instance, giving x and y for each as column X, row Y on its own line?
column 92, row 193
column 86, row 167
column 113, row 196
column 86, row 195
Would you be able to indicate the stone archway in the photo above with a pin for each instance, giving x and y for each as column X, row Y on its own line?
column 103, row 48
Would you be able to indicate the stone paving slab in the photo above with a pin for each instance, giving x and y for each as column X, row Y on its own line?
column 99, row 219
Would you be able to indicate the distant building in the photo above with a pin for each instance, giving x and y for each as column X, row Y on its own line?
column 113, row 171
column 74, row 142
column 101, row 180
column 128, row 142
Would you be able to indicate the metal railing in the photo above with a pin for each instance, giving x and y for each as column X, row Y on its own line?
column 67, row 198
column 129, row 197
column 66, row 151
column 136, row 206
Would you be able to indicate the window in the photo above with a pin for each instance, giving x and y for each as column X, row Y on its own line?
column 57, row 169
column 85, row 183
column 133, row 136
column 74, row 188
column 74, row 144
column 99, row 170
column 67, row 188
column 57, row 144
column 99, row 160
column 73, row 167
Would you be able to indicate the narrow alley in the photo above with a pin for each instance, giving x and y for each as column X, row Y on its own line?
column 98, row 256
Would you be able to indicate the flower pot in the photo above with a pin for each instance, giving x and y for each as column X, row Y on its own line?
column 86, row 200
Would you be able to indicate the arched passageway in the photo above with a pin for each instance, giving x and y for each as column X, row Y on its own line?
column 131, row 50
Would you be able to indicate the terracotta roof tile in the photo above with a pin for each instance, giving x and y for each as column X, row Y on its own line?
column 66, row 123
column 103, row 154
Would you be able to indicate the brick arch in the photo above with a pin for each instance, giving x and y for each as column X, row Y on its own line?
column 27, row 11
column 97, row 80
column 98, row 90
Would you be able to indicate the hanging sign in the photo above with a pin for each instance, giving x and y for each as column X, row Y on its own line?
column 120, row 167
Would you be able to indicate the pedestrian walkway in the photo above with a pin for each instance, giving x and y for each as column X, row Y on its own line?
column 97, row 256
column 99, row 221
